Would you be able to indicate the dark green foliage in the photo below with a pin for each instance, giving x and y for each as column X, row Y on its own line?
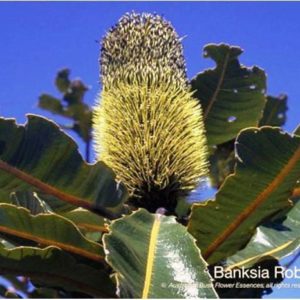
column 275, row 111
column 232, row 96
column 57, row 213
column 42, row 150
column 258, row 189
column 53, row 267
column 71, row 106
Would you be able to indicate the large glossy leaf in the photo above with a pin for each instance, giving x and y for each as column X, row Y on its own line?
column 279, row 238
column 268, row 166
column 232, row 96
column 275, row 111
column 40, row 157
column 55, row 268
column 155, row 257
column 47, row 229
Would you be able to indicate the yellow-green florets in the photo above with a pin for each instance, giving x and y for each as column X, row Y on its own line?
column 148, row 127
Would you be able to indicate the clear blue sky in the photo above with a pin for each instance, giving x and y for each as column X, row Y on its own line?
column 38, row 39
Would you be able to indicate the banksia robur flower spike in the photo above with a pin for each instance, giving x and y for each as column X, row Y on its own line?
column 148, row 127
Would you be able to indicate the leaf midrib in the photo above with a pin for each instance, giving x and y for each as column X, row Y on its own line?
column 219, row 84
column 49, row 242
column 50, row 190
column 151, row 256
column 267, row 253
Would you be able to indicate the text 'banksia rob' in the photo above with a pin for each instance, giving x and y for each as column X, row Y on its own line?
column 148, row 127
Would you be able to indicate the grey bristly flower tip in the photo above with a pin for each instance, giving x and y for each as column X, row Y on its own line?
column 141, row 42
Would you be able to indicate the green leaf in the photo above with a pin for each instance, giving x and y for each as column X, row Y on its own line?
column 268, row 166
column 41, row 158
column 62, row 80
column 71, row 106
column 54, row 203
column 31, row 201
column 86, row 220
column 54, row 268
column 275, row 111
column 47, row 229
column 91, row 225
column 232, row 96
column 278, row 239
column 51, row 104
column 155, row 257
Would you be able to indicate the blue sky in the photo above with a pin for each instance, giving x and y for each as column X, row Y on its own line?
column 38, row 39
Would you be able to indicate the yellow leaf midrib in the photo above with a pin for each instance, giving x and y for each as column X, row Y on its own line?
column 151, row 256
column 267, row 253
